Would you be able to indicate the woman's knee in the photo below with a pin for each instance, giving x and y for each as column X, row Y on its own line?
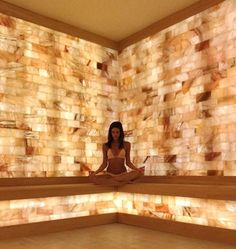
column 135, row 174
column 96, row 178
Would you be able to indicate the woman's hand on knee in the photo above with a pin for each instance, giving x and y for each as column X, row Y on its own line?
column 91, row 173
column 141, row 170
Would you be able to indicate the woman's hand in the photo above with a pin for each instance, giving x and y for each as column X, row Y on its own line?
column 91, row 173
column 141, row 170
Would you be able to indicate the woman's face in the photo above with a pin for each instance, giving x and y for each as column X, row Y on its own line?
column 115, row 132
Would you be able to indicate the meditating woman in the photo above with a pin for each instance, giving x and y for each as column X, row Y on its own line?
column 115, row 152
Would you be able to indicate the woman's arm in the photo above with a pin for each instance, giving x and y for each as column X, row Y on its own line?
column 128, row 162
column 104, row 162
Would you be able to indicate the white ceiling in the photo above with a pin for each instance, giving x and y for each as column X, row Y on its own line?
column 113, row 19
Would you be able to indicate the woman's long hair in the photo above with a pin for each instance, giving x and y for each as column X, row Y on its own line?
column 116, row 124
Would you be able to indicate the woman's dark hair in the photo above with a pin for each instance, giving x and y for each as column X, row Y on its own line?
column 116, row 124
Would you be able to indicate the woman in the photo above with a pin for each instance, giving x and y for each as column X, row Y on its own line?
column 115, row 151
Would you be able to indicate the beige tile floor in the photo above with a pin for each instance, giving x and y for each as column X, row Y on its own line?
column 111, row 236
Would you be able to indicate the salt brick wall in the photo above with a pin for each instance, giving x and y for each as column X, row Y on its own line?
column 16, row 212
column 176, row 99
column 178, row 94
column 214, row 213
column 57, row 93
column 174, row 92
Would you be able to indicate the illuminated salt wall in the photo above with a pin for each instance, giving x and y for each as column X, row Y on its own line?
column 215, row 213
column 15, row 212
column 58, row 94
column 207, row 212
column 178, row 93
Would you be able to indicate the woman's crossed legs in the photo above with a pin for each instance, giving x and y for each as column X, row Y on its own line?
column 112, row 179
